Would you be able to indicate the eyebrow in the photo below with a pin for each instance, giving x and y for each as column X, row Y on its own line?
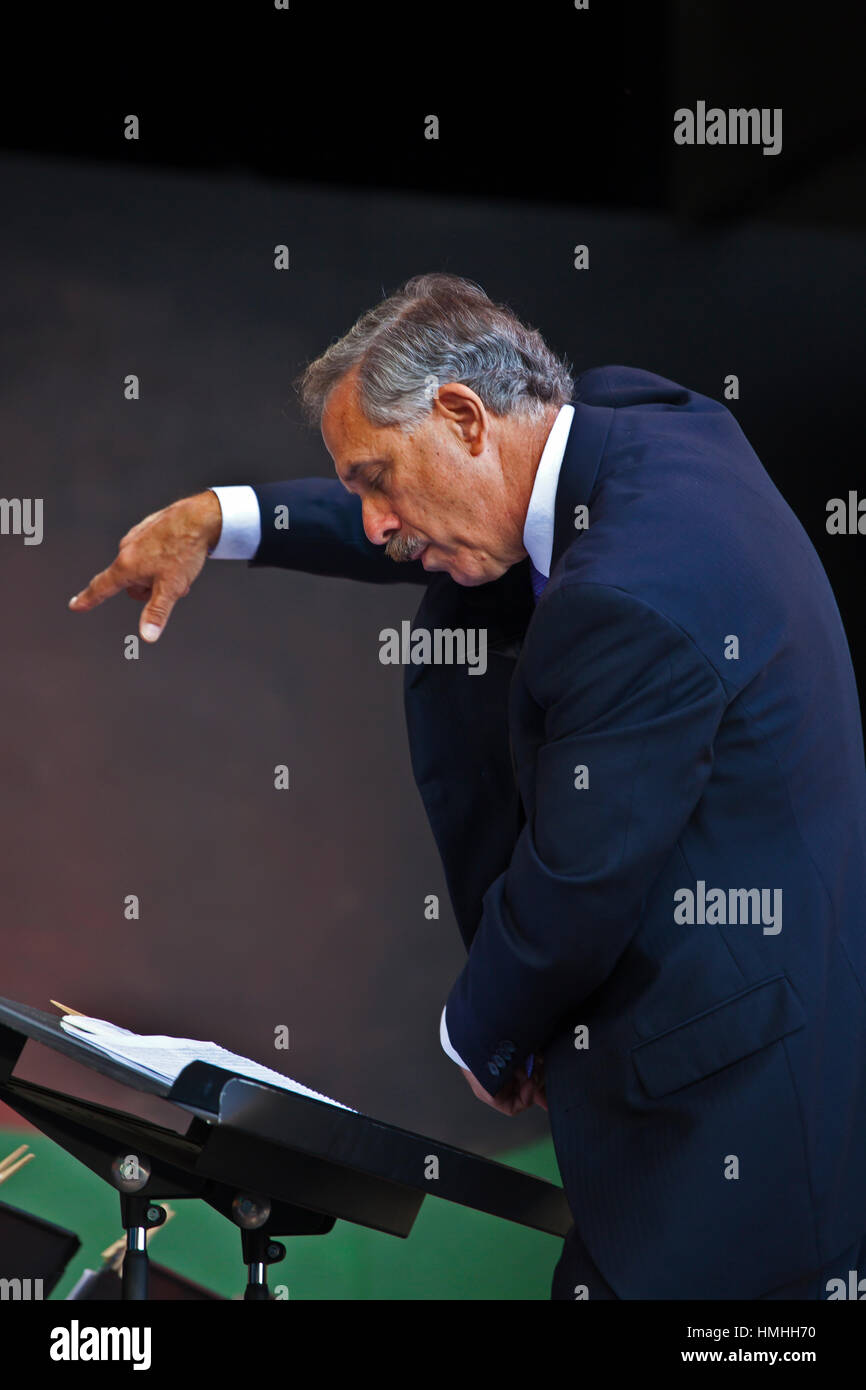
column 355, row 468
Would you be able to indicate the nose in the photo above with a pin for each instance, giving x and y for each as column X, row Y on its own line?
column 379, row 525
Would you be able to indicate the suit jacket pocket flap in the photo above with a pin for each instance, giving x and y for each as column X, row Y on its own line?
column 724, row 1034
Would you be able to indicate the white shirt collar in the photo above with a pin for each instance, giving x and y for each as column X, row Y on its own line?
column 538, row 529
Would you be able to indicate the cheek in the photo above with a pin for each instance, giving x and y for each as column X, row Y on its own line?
column 432, row 493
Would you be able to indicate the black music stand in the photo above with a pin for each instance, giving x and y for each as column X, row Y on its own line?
column 272, row 1161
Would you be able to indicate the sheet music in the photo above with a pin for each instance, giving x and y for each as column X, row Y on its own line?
column 165, row 1058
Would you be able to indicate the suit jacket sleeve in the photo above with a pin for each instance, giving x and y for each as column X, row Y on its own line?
column 626, row 693
column 324, row 534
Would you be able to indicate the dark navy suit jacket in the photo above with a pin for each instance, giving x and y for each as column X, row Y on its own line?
column 706, row 1081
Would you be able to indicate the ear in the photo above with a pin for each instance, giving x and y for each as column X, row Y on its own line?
column 465, row 412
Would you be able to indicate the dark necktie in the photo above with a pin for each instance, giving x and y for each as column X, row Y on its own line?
column 538, row 581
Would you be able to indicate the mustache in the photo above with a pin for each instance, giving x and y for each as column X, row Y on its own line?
column 403, row 548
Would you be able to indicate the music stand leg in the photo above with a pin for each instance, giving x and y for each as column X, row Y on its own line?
column 259, row 1251
column 134, row 1277
column 139, row 1215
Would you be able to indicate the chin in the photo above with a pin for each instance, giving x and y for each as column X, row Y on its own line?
column 474, row 579
column 469, row 579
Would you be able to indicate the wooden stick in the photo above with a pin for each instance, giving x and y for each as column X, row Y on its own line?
column 16, row 1153
column 65, row 1009
column 14, row 1169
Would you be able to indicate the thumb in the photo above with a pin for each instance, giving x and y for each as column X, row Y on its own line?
column 156, row 613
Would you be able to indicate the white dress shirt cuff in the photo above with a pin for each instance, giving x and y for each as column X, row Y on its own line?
column 446, row 1044
column 242, row 524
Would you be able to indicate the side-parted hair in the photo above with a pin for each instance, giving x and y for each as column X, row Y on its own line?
column 438, row 328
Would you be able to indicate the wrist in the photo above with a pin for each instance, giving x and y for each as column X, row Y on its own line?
column 206, row 510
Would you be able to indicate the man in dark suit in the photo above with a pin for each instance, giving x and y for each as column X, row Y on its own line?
column 650, row 805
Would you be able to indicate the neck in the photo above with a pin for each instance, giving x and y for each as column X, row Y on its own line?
column 521, row 458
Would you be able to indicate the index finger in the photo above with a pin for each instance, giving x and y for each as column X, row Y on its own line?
column 102, row 586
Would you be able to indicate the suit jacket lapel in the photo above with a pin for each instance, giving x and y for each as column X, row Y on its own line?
column 577, row 476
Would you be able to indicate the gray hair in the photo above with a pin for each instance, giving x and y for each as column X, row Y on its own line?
column 438, row 328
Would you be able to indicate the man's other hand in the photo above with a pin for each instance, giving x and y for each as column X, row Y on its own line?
column 521, row 1092
column 157, row 560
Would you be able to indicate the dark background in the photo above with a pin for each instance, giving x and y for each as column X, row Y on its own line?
column 305, row 127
